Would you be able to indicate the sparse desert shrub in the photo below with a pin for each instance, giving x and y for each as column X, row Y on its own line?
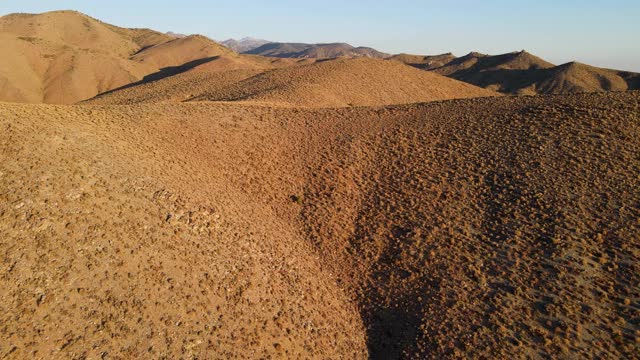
column 29, row 39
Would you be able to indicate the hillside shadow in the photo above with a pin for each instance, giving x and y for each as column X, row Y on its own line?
column 632, row 79
column 164, row 73
column 508, row 80
column 389, row 331
column 142, row 49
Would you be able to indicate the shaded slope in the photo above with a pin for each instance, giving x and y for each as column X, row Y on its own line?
column 349, row 82
column 318, row 51
column 486, row 228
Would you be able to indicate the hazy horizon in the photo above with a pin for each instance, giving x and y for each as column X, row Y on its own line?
column 586, row 31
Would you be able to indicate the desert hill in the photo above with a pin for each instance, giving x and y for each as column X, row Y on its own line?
column 477, row 62
column 425, row 62
column 576, row 77
column 345, row 82
column 65, row 56
column 483, row 228
column 321, row 203
column 298, row 82
column 77, row 30
column 512, row 73
column 522, row 73
column 317, row 51
column 214, row 75
column 180, row 51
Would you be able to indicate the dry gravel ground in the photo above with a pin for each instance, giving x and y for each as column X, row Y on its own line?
column 479, row 228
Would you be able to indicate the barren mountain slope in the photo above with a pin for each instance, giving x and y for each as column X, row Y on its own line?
column 345, row 82
column 487, row 228
column 80, row 31
column 65, row 56
column 492, row 227
column 181, row 51
column 525, row 74
column 507, row 73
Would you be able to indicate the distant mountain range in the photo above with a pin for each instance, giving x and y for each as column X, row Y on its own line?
column 316, row 51
column 516, row 73
column 244, row 44
column 300, row 50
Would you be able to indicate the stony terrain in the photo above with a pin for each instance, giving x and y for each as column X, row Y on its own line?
column 495, row 227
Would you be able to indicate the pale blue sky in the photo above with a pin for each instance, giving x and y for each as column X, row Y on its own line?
column 602, row 33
